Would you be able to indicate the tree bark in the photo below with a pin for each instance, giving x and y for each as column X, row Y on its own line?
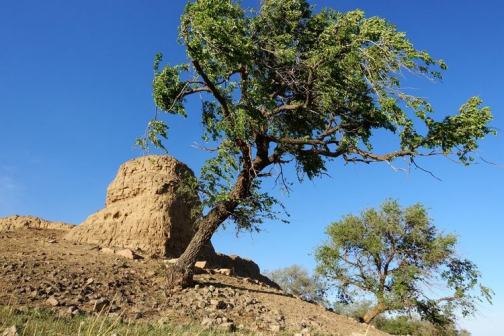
column 181, row 273
column 373, row 312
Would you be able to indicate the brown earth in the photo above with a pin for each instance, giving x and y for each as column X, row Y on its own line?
column 30, row 222
column 40, row 268
column 143, row 209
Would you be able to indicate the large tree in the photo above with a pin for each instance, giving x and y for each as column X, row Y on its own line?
column 286, row 85
column 397, row 255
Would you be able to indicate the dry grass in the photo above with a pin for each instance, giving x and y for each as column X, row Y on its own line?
column 44, row 322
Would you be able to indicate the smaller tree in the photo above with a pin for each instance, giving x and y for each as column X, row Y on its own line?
column 398, row 324
column 397, row 255
column 295, row 280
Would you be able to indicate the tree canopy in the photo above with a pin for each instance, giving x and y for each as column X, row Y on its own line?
column 288, row 84
column 397, row 255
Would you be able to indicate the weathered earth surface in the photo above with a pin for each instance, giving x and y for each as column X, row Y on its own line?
column 38, row 267
column 18, row 222
column 143, row 210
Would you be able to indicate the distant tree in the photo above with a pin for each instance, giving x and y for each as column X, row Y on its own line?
column 284, row 85
column 397, row 255
column 397, row 324
column 295, row 280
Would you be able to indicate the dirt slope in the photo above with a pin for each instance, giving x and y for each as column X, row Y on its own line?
column 39, row 268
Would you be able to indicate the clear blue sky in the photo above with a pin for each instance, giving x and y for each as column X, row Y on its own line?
column 75, row 90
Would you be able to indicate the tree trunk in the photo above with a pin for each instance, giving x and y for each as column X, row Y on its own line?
column 181, row 273
column 375, row 311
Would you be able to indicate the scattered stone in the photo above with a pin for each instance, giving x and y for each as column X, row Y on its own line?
column 171, row 261
column 127, row 253
column 164, row 321
column 107, row 250
column 202, row 264
column 227, row 327
column 53, row 301
column 218, row 304
column 100, row 304
column 276, row 328
column 224, row 271
column 89, row 281
column 11, row 331
column 208, row 322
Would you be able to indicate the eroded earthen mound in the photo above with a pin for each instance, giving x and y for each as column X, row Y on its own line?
column 143, row 210
column 31, row 222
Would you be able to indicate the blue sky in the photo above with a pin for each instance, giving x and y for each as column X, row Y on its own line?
column 75, row 91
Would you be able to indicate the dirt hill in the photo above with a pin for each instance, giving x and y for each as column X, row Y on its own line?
column 40, row 268
column 143, row 209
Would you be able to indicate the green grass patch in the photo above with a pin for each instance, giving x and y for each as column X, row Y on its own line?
column 44, row 322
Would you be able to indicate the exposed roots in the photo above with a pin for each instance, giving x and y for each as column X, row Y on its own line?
column 179, row 277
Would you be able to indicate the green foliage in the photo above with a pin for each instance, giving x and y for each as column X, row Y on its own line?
column 289, row 84
column 396, row 254
column 295, row 280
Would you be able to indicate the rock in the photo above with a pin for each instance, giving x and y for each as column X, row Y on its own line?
column 171, row 261
column 276, row 328
column 143, row 210
column 127, row 253
column 224, row 271
column 241, row 267
column 202, row 264
column 164, row 321
column 227, row 327
column 72, row 311
column 100, row 304
column 107, row 250
column 11, row 331
column 31, row 222
column 218, row 304
column 208, row 322
column 89, row 281
column 53, row 301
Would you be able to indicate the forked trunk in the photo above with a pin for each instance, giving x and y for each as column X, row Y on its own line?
column 181, row 273
column 375, row 311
